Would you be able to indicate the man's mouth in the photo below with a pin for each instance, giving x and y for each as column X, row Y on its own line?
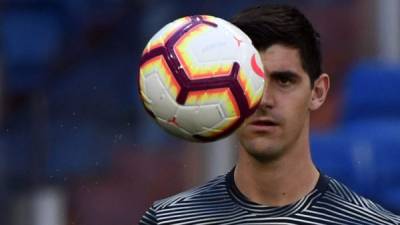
column 263, row 125
column 264, row 122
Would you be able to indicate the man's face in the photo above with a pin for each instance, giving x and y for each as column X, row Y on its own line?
column 281, row 120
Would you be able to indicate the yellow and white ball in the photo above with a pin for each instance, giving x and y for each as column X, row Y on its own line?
column 200, row 77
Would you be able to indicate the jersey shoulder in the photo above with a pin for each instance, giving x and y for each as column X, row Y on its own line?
column 348, row 200
column 202, row 195
column 199, row 202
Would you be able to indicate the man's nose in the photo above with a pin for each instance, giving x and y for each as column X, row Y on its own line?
column 268, row 99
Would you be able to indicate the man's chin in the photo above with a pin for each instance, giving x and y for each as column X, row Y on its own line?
column 264, row 156
column 261, row 150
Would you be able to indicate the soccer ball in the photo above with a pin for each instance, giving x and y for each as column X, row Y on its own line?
column 200, row 77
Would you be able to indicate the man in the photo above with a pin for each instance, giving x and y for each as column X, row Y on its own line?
column 274, row 180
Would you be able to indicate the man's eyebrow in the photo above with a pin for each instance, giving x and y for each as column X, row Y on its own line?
column 285, row 73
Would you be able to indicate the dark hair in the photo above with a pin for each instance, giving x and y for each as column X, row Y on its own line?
column 276, row 24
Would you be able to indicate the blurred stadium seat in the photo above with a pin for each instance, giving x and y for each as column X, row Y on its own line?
column 31, row 38
column 346, row 159
column 372, row 91
column 17, row 143
column 75, row 148
column 364, row 150
column 366, row 162
column 372, row 115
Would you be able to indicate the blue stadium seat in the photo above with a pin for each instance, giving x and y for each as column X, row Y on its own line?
column 390, row 197
column 75, row 148
column 385, row 147
column 18, row 148
column 30, row 40
column 345, row 159
column 369, row 166
column 371, row 121
column 365, row 155
column 101, row 87
column 372, row 91
column 386, row 157
column 332, row 156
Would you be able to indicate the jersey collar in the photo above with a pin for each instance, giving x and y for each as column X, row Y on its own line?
column 264, row 210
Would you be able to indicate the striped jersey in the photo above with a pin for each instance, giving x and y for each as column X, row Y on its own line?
column 220, row 202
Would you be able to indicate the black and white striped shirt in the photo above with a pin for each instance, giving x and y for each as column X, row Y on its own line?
column 220, row 202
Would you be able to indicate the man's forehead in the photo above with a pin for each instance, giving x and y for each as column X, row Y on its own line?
column 281, row 58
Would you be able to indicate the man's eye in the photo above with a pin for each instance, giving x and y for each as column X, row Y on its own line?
column 284, row 81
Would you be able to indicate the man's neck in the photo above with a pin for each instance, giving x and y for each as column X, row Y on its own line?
column 280, row 182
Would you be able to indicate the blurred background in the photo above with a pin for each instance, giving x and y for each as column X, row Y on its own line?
column 77, row 147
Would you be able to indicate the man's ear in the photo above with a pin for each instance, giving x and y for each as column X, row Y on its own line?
column 319, row 92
